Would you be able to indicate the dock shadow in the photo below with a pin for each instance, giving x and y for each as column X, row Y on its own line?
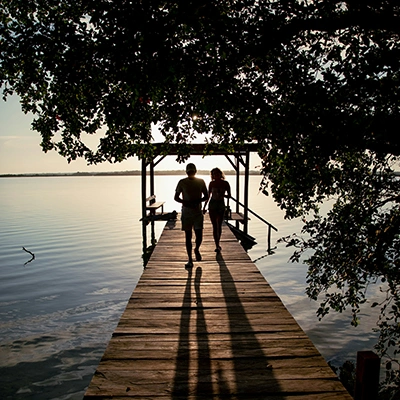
column 245, row 374
column 253, row 374
column 204, row 379
column 181, row 380
column 186, row 350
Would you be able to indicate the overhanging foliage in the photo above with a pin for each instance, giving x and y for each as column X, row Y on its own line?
column 315, row 83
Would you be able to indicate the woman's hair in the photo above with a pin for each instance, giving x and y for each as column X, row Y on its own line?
column 214, row 170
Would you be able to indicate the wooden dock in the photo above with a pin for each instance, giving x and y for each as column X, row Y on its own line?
column 217, row 331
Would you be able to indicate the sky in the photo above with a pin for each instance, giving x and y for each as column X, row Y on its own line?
column 20, row 150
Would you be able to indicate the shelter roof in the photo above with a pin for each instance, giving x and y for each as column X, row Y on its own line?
column 204, row 148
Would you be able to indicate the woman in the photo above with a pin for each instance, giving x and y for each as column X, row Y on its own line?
column 216, row 203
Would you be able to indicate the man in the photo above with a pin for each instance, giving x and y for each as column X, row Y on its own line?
column 194, row 192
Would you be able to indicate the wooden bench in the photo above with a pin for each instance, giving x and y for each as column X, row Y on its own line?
column 234, row 216
column 152, row 205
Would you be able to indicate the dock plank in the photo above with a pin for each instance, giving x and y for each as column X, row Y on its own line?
column 217, row 331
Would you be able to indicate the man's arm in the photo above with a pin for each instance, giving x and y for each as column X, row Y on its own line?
column 178, row 192
column 177, row 197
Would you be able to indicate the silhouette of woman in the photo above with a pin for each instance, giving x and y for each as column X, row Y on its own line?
column 218, row 189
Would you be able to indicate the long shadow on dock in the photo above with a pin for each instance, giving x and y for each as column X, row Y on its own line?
column 209, row 333
column 250, row 362
column 204, row 385
column 182, row 387
column 228, row 364
column 181, row 380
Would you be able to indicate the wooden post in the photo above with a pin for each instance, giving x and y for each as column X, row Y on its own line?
column 237, row 185
column 152, row 190
column 152, row 193
column 269, row 239
column 144, row 228
column 246, row 193
column 237, row 181
column 367, row 376
column 144, row 195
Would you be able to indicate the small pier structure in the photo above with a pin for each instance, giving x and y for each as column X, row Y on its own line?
column 216, row 331
column 237, row 155
column 239, row 158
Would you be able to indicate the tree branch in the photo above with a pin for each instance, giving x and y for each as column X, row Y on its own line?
column 33, row 256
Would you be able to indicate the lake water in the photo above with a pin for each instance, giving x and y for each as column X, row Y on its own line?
column 58, row 311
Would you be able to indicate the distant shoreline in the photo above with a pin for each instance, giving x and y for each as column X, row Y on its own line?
column 117, row 173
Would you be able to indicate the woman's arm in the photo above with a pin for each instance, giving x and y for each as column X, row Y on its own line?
column 228, row 189
column 208, row 199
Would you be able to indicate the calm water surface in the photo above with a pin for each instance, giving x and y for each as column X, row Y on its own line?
column 58, row 311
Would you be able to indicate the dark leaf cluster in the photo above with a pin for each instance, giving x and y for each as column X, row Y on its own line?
column 314, row 83
column 298, row 76
column 352, row 244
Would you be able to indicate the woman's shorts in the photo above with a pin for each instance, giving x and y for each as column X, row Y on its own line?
column 216, row 206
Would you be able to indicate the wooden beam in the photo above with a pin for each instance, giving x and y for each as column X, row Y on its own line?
column 201, row 149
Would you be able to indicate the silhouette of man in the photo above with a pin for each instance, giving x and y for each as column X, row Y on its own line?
column 191, row 192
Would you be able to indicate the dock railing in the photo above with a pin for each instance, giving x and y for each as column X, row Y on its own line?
column 270, row 226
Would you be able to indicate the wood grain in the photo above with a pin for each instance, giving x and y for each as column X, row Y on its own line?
column 216, row 331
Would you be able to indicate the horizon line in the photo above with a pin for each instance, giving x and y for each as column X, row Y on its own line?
column 118, row 173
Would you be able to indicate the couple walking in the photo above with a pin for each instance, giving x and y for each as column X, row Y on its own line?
column 191, row 192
